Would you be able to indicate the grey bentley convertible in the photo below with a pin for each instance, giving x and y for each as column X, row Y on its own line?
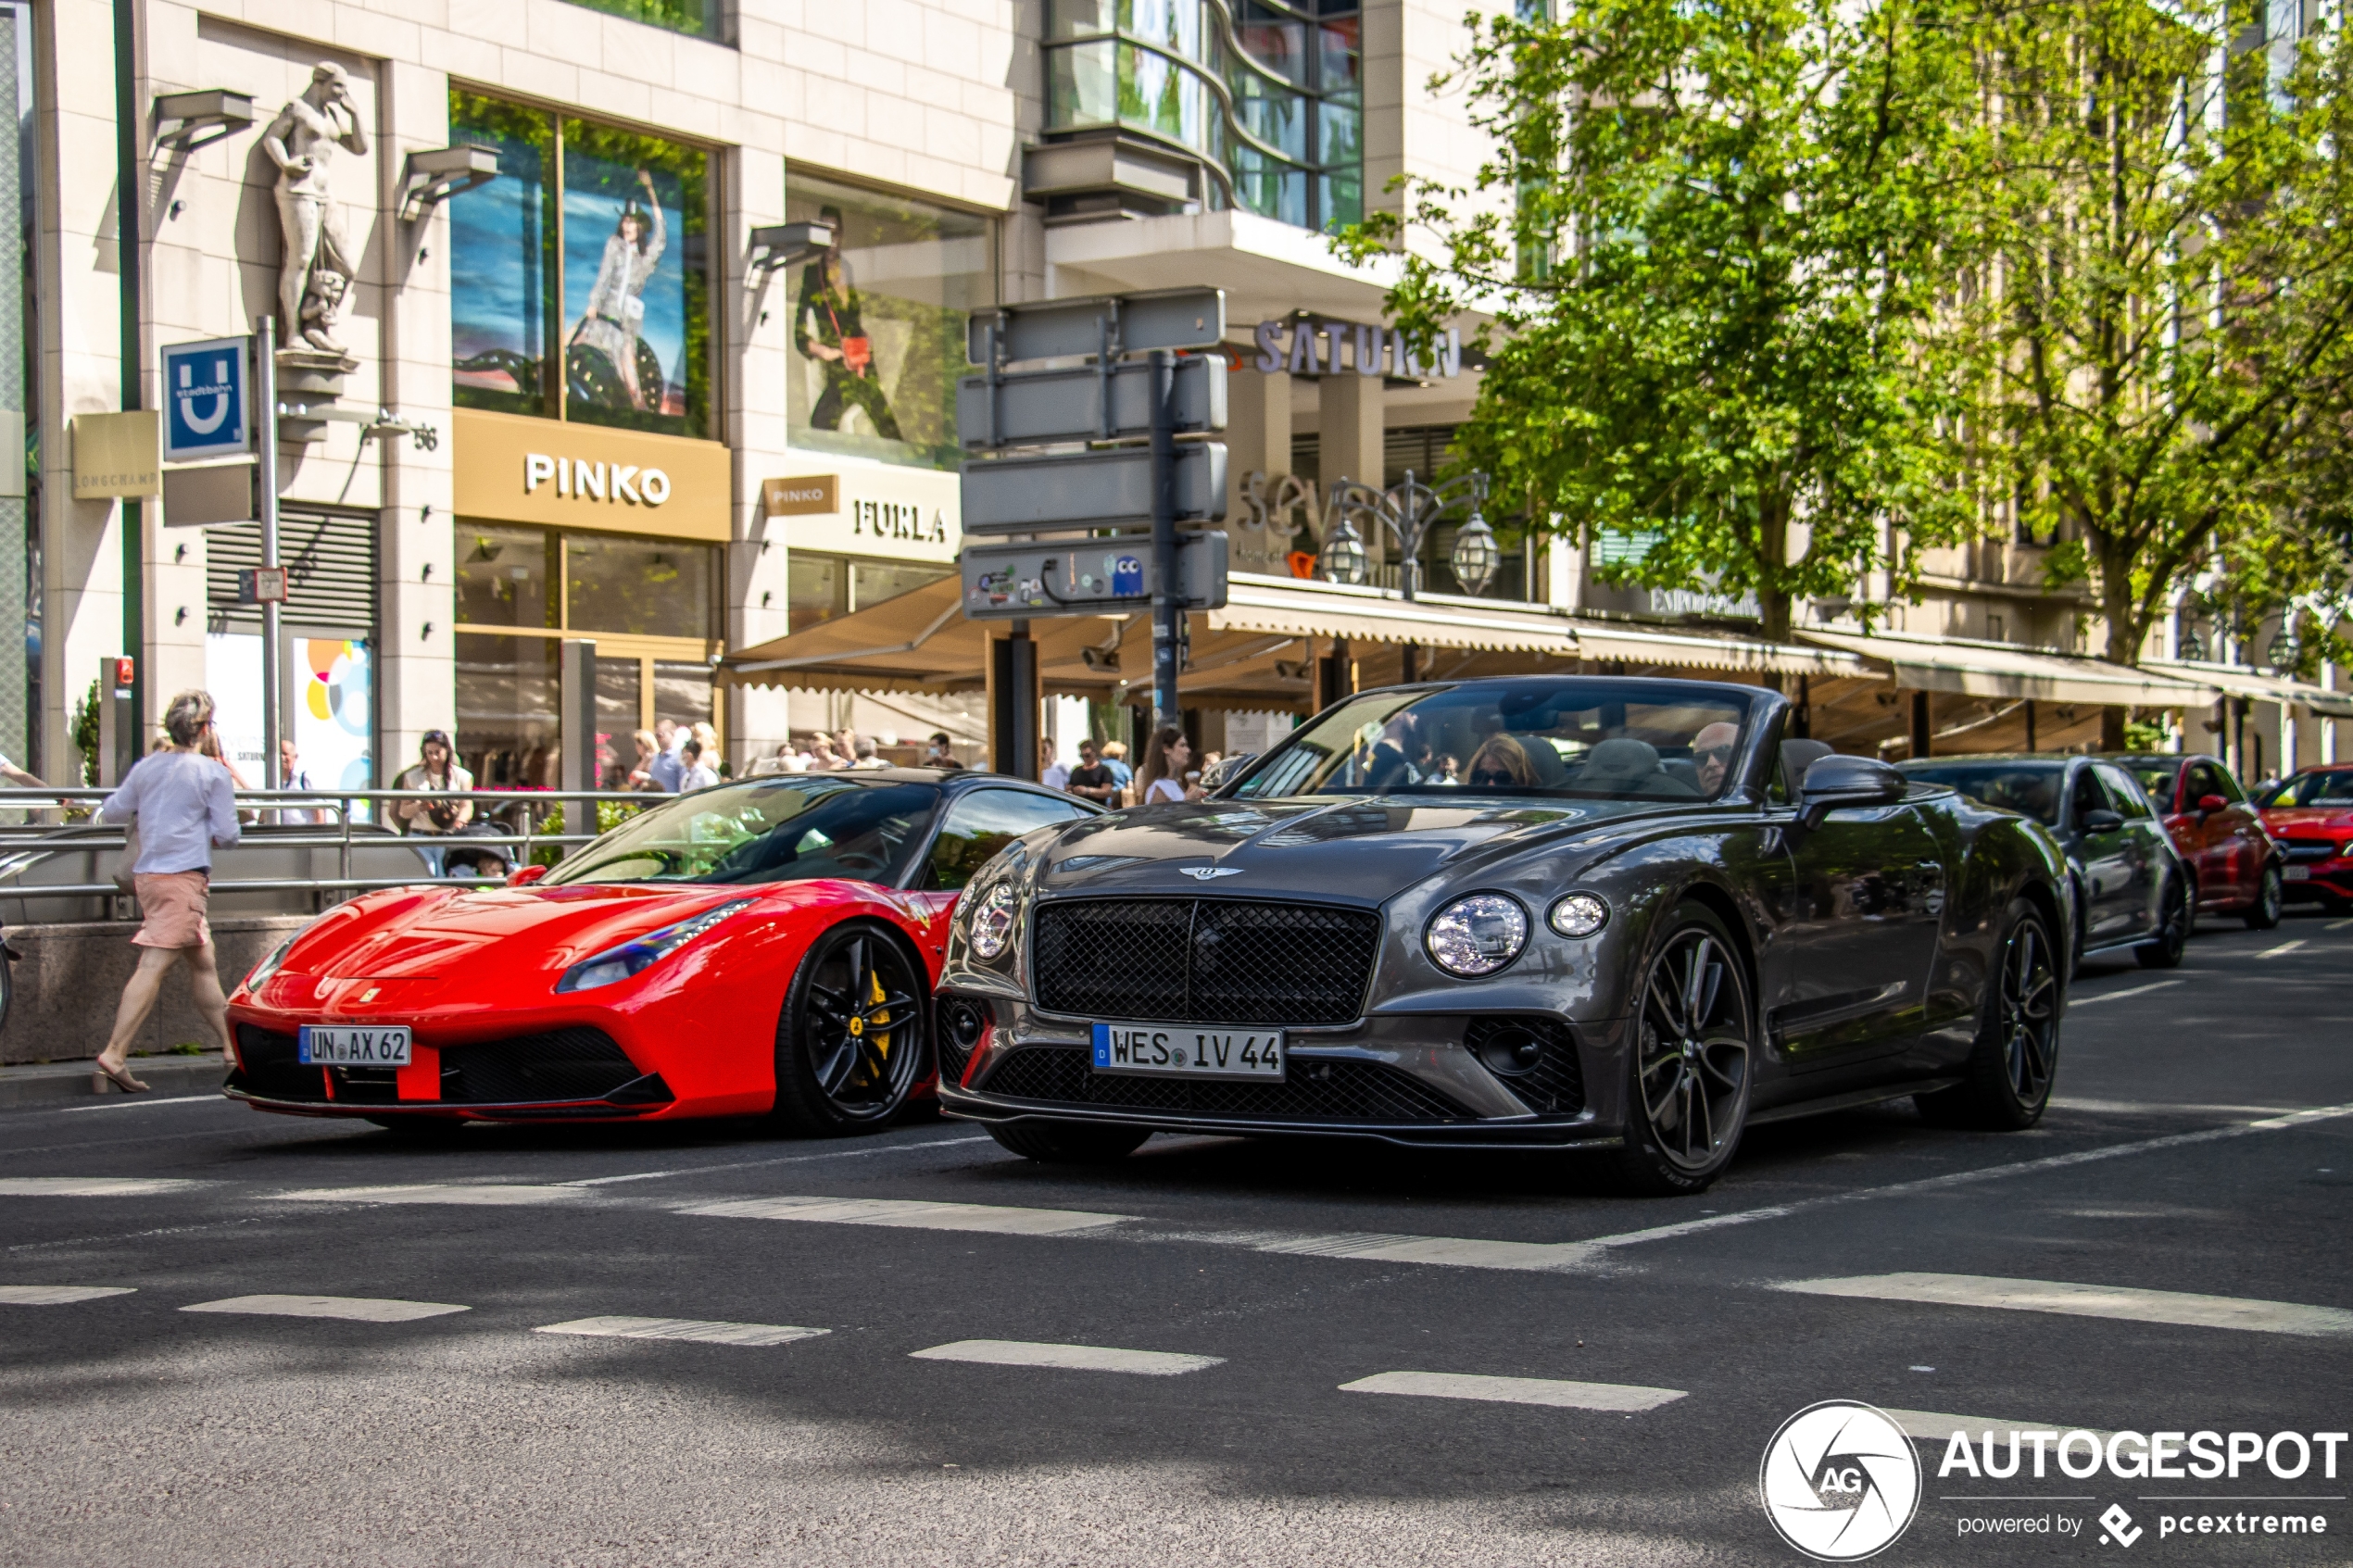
column 1578, row 913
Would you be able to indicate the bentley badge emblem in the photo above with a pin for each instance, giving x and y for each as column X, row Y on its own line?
column 1209, row 873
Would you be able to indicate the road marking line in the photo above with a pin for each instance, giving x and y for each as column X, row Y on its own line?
column 700, row 1330
column 787, row 1160
column 90, row 1186
column 2337, row 925
column 2282, row 949
column 2088, row 1301
column 1926, row 1427
column 912, row 1215
column 357, row 1309
column 198, row 1097
column 2120, row 995
column 1985, row 1173
column 1515, row 1390
column 59, row 1295
column 1067, row 1358
column 489, row 1195
column 1462, row 1252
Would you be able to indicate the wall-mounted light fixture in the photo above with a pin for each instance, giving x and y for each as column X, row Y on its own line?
column 436, row 175
column 185, row 122
column 787, row 244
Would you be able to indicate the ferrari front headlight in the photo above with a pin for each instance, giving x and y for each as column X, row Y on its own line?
column 992, row 924
column 642, row 953
column 1477, row 936
column 270, row 965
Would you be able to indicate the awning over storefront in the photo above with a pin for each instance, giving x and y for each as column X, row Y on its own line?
column 2238, row 680
column 1301, row 608
column 1997, row 669
column 1697, row 651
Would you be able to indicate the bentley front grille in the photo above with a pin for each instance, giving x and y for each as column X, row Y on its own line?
column 1204, row 961
column 1316, row 1090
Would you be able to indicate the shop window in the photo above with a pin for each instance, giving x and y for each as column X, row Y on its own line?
column 871, row 581
column 580, row 284
column 697, row 19
column 815, row 590
column 507, row 723
column 878, row 323
column 646, row 587
column 503, row 576
column 620, row 713
column 681, row 693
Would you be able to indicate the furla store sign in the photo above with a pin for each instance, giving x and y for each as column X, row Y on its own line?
column 891, row 513
column 569, row 475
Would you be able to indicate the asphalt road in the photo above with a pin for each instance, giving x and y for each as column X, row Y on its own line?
column 2172, row 1172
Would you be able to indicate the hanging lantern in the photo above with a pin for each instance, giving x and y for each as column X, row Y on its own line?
column 1476, row 557
column 1343, row 559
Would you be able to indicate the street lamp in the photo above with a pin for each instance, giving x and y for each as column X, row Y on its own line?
column 1408, row 510
column 1343, row 558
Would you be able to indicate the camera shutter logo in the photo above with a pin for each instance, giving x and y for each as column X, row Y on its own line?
column 1840, row 1481
column 2116, row 1525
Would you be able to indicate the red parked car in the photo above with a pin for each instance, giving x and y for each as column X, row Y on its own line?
column 2311, row 814
column 2240, row 870
column 767, row 946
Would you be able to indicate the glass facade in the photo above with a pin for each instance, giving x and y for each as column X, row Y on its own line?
column 579, row 284
column 820, row 587
column 699, row 18
column 1269, row 94
column 878, row 322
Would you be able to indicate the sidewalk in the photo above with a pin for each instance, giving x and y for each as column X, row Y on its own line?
column 168, row 1075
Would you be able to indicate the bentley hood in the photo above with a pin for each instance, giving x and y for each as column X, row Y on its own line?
column 1356, row 848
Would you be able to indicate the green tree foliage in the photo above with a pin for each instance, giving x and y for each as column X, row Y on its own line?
column 2163, row 295
column 1710, row 237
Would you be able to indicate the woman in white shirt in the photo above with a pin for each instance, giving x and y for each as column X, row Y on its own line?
column 1165, row 758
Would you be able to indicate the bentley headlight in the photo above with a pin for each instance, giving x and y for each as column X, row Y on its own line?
column 1578, row 914
column 642, row 953
column 1477, row 935
column 992, row 925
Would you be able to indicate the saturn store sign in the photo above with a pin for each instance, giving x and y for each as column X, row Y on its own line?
column 569, row 475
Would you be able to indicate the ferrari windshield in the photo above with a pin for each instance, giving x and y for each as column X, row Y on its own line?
column 764, row 830
column 2331, row 788
column 2032, row 789
column 1600, row 739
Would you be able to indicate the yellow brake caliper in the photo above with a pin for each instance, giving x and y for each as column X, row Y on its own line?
column 883, row 1031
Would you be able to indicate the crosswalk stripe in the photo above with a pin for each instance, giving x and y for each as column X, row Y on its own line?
column 358, row 1309
column 488, row 1195
column 59, row 1295
column 1515, row 1390
column 1067, row 1358
column 2074, row 1002
column 2281, row 950
column 1928, row 1427
column 698, row 1330
column 2088, row 1301
column 90, row 1186
column 911, row 1215
column 1462, row 1252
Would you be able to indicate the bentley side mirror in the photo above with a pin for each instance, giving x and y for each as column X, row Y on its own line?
column 2209, row 803
column 524, row 876
column 1222, row 772
column 2102, row 822
column 1838, row 784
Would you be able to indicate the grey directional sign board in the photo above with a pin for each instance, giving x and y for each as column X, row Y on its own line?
column 1086, row 577
column 1090, row 404
column 1109, row 489
column 1130, row 323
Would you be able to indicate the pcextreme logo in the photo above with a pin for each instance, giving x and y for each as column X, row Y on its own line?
column 1840, row 1481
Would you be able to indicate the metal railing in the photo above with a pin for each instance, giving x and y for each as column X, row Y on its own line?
column 68, row 824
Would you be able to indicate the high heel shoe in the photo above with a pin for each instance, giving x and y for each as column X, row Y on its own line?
column 119, row 1077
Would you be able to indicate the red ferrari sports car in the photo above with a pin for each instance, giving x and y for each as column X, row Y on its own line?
column 761, row 946
column 2311, row 815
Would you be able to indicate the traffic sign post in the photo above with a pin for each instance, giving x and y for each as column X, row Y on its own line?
column 207, row 403
column 1146, row 381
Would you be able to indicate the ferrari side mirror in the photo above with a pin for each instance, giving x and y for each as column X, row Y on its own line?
column 2209, row 803
column 524, row 876
column 1837, row 783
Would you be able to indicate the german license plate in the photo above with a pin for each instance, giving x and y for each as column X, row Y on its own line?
column 2296, row 874
column 1164, row 1050
column 337, row 1045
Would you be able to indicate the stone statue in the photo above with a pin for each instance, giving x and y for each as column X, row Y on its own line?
column 318, row 270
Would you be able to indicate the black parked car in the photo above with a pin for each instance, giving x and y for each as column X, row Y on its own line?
column 1641, row 921
column 2133, row 891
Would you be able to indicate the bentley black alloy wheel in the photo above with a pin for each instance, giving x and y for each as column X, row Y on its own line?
column 1693, row 1050
column 2007, row 1077
column 849, row 1047
column 2172, row 933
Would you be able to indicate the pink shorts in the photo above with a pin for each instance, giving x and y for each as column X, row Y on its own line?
column 174, row 903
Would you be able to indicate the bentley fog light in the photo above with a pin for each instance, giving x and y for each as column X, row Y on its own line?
column 1579, row 914
column 1477, row 935
column 993, row 921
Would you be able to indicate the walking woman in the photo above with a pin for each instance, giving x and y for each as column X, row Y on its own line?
column 182, row 804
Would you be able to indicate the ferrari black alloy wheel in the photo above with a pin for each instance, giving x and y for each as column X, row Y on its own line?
column 2173, row 936
column 2270, row 895
column 850, row 1044
column 2008, row 1077
column 1070, row 1143
column 1692, row 1050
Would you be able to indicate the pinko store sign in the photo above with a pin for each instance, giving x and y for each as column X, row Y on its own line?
column 578, row 475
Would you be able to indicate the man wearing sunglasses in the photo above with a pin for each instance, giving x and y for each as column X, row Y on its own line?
column 1712, row 751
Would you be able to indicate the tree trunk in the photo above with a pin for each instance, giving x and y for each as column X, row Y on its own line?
column 2125, row 630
